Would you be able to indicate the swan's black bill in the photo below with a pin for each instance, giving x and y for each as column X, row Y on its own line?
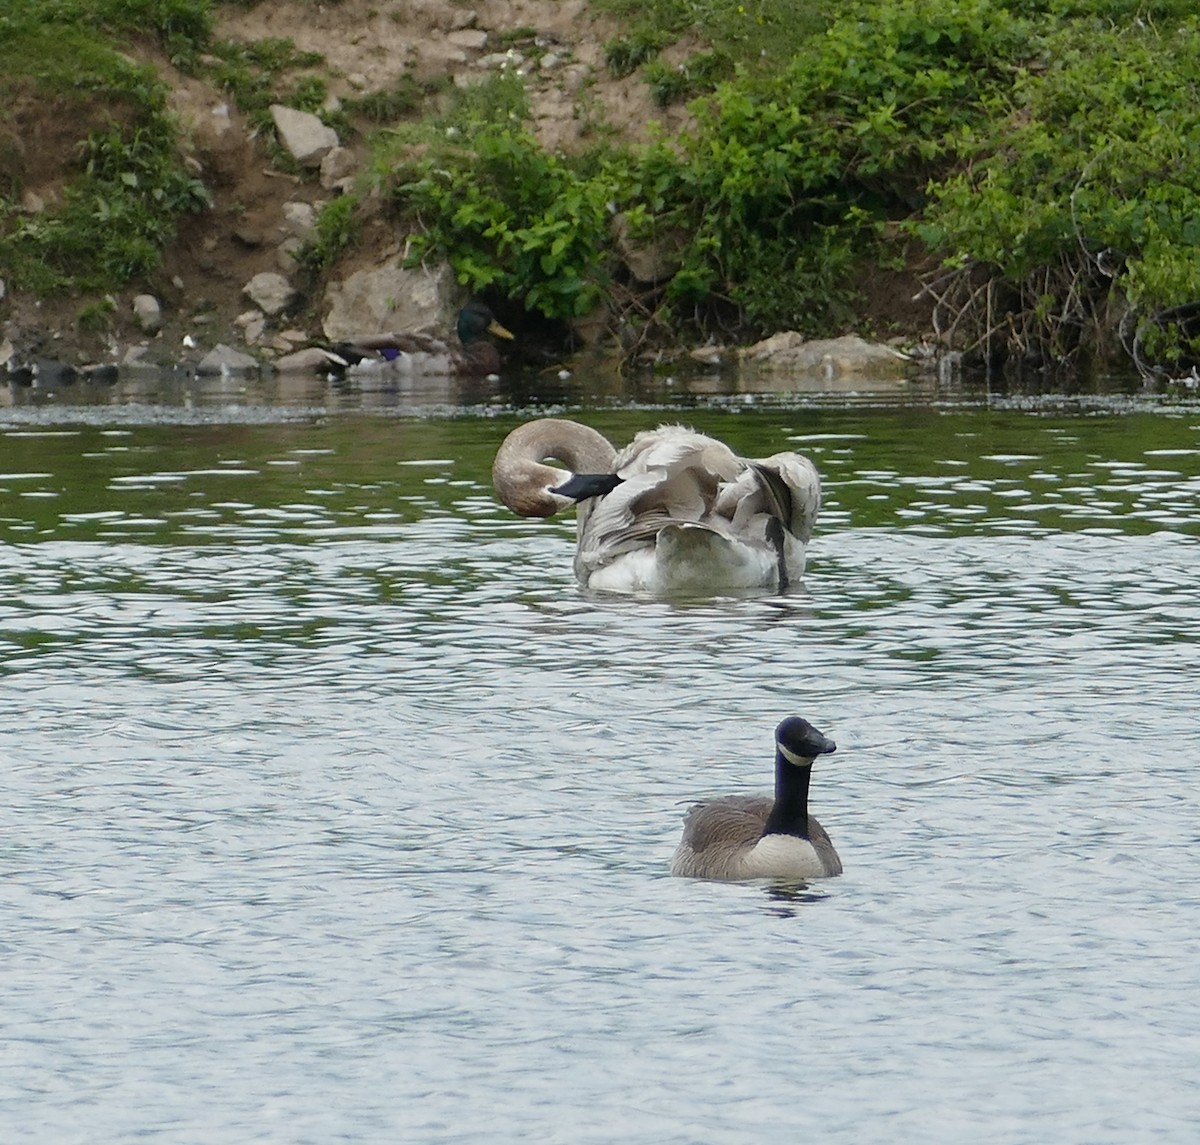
column 581, row 486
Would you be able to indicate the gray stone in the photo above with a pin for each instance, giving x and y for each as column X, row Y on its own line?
column 303, row 134
column 269, row 291
column 305, row 361
column 648, row 259
column 712, row 356
column 287, row 255
column 391, row 298
column 338, row 166
column 502, row 60
column 827, row 357
column 300, row 219
column 135, row 358
column 222, row 359
column 148, row 313
column 252, row 323
column 470, row 39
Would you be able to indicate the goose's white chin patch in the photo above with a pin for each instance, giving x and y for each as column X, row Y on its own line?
column 792, row 757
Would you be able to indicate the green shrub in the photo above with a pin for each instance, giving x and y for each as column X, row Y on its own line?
column 697, row 74
column 130, row 186
column 624, row 55
column 515, row 219
column 336, row 229
column 1084, row 196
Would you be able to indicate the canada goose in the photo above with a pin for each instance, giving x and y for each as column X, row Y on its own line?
column 410, row 353
column 755, row 837
column 675, row 511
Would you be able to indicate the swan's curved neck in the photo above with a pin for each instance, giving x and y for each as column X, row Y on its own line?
column 523, row 480
column 789, row 816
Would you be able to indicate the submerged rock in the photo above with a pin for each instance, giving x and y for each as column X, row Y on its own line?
column 222, row 359
column 307, row 361
column 831, row 357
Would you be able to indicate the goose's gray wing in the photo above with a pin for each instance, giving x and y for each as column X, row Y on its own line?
column 824, row 847
column 733, row 821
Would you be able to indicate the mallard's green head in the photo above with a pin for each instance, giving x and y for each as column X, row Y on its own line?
column 475, row 320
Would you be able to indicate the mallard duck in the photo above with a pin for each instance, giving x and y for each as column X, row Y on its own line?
column 675, row 511
column 411, row 353
column 755, row 837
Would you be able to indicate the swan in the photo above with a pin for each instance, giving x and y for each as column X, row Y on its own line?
column 365, row 354
column 675, row 511
column 754, row 837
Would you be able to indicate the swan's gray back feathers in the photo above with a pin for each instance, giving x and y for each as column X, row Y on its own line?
column 687, row 513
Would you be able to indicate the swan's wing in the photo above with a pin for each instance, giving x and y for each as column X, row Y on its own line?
column 674, row 470
column 785, row 487
column 609, row 529
column 803, row 484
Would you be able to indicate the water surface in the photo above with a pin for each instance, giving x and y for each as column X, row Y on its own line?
column 336, row 812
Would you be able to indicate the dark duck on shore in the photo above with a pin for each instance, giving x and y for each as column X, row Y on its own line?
column 754, row 837
column 476, row 355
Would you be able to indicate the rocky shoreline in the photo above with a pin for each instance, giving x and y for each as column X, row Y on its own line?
column 233, row 294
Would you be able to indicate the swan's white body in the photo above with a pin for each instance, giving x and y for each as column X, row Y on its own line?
column 687, row 515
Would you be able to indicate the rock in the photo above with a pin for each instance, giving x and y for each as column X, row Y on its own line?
column 830, row 357
column 713, row 356
column 147, row 312
column 648, row 259
column 337, row 166
column 135, row 358
column 269, row 291
column 287, row 255
column 252, row 324
column 394, row 298
column 502, row 61
column 250, row 237
column 300, row 219
column 303, row 134
column 222, row 359
column 470, row 39
column 305, row 361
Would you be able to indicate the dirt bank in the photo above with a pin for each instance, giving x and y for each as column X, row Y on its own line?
column 366, row 47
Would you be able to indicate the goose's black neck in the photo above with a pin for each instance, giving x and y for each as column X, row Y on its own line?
column 789, row 816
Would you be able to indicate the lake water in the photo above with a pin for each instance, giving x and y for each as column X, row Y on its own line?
column 335, row 812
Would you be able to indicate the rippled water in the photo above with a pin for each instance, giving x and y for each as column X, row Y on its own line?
column 336, row 813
